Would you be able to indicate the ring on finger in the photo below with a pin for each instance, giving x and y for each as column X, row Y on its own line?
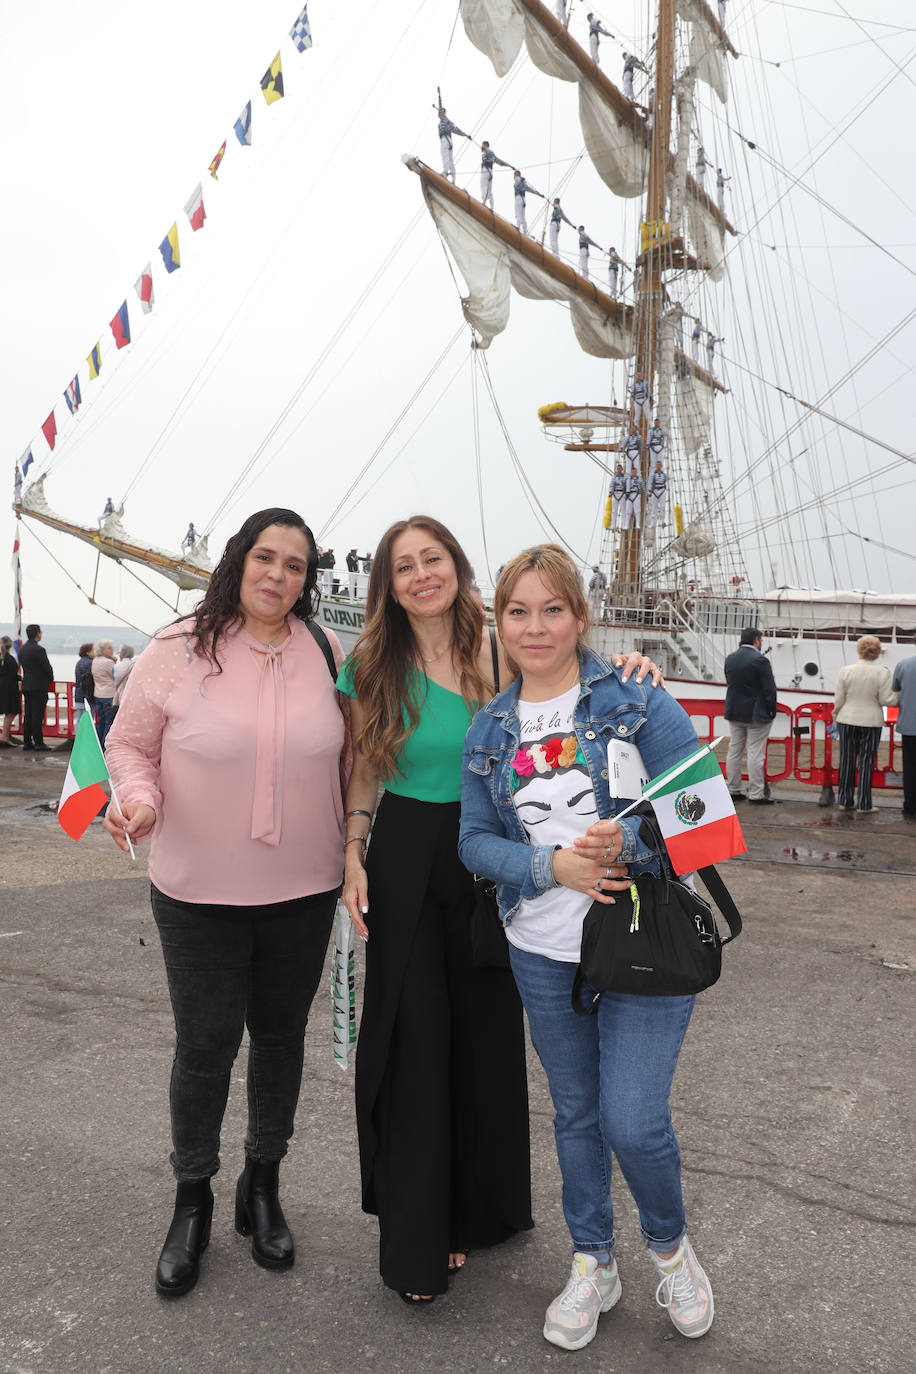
column 607, row 872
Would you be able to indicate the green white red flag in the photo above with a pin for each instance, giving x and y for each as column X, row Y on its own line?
column 695, row 812
column 83, row 796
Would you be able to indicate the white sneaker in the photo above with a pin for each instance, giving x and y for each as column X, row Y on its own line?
column 685, row 1291
column 572, row 1317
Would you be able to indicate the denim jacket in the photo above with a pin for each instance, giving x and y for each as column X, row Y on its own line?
column 493, row 840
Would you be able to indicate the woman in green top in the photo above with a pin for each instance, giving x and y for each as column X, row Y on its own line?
column 441, row 1092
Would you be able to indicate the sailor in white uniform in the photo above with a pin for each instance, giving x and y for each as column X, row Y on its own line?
column 595, row 27
column 635, row 489
column 557, row 217
column 618, row 494
column 695, row 338
column 658, row 484
column 446, row 129
column 559, row 10
column 640, row 393
column 702, row 163
column 656, row 439
column 630, row 63
column 584, row 243
column 711, row 342
column 722, row 13
column 190, row 538
column 721, row 179
column 613, row 268
column 632, row 446
column 521, row 189
column 487, row 159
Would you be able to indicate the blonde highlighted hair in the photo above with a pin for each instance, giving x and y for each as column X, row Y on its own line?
column 556, row 570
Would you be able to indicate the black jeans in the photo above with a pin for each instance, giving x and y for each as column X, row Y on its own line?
column 229, row 967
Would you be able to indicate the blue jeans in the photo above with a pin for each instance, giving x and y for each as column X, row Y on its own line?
column 609, row 1076
column 105, row 712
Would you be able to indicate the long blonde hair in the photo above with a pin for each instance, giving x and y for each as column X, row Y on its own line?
column 386, row 652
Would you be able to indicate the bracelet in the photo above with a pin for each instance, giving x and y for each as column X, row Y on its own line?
column 348, row 814
column 350, row 839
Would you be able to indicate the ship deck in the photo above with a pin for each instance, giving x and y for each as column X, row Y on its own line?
column 793, row 1103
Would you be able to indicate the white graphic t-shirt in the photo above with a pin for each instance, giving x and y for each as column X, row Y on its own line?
column 555, row 802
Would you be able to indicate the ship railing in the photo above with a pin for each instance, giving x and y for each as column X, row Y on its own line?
column 689, row 639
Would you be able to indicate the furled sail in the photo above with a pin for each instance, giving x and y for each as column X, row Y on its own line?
column 707, row 48
column 614, row 134
column 493, row 256
column 695, row 402
column 707, row 234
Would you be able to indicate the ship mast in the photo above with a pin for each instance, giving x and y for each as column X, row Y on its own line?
column 650, row 291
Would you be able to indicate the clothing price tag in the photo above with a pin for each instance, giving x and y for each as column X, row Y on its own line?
column 626, row 772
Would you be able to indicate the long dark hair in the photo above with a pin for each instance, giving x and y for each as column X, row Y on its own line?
column 386, row 651
column 220, row 607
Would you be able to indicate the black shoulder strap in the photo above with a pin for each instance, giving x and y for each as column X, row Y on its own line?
column 495, row 652
column 723, row 900
column 324, row 645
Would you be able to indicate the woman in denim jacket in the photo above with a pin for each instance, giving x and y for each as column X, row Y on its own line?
column 537, row 817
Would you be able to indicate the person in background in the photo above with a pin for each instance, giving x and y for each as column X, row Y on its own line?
column 537, row 817
column 83, row 666
column 37, row 681
column 441, row 1091
column 103, row 678
column 10, row 703
column 228, row 752
column 122, row 670
column 905, row 683
column 862, row 690
column 352, row 573
column 750, row 709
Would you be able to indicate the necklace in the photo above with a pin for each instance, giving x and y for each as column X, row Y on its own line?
column 446, row 650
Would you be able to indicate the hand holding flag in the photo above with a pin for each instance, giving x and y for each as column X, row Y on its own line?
column 82, row 795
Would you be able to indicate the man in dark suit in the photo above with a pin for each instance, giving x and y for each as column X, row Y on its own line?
column 750, row 708
column 37, row 677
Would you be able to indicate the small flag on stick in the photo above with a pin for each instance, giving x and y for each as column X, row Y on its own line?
column 695, row 813
column 83, row 796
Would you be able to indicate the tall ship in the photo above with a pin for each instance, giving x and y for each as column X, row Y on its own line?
column 701, row 412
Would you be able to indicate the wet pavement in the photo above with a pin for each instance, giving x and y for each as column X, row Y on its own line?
column 793, row 1104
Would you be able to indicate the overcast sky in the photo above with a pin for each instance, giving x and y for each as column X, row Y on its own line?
column 319, row 284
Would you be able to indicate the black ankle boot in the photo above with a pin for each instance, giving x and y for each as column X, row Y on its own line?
column 258, row 1213
column 188, row 1237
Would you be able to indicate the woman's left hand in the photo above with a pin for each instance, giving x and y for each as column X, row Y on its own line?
column 601, row 843
column 641, row 666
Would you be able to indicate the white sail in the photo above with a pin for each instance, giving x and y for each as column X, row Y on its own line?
column 619, row 155
column 707, row 51
column 707, row 235
column 695, row 401
column 491, row 268
column 495, row 28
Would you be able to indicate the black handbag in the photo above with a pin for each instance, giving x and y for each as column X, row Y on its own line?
column 659, row 939
column 489, row 946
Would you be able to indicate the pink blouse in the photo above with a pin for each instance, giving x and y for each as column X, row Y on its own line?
column 241, row 767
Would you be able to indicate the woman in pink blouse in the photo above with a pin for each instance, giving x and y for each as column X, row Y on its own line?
column 227, row 752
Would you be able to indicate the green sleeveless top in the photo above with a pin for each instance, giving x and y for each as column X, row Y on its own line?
column 429, row 765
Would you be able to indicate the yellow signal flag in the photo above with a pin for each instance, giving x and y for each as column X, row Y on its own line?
column 272, row 81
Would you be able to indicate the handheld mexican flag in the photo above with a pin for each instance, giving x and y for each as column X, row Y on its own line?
column 695, row 813
column 82, row 797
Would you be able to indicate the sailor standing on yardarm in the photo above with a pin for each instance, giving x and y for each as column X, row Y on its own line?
column 487, row 160
column 446, row 130
column 521, row 188
column 613, row 268
column 656, row 439
column 635, row 489
column 557, row 217
column 595, row 27
column 618, row 497
column 641, row 398
column 584, row 244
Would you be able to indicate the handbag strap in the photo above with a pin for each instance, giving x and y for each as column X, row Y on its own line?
column 324, row 645
column 495, row 653
column 723, row 900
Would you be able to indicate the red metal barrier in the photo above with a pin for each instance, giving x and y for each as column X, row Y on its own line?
column 59, row 713
column 707, row 716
